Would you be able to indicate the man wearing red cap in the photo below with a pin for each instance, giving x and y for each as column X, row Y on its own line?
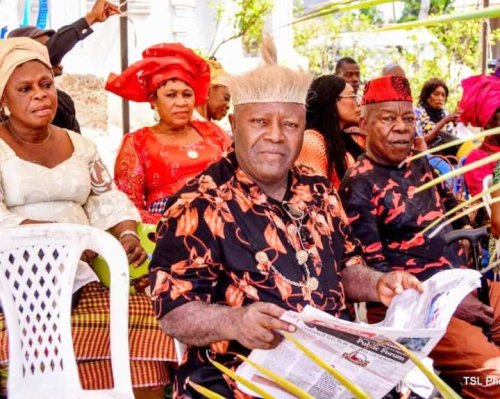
column 387, row 217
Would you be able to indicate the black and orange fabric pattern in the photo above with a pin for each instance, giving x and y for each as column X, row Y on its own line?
column 387, row 217
column 223, row 241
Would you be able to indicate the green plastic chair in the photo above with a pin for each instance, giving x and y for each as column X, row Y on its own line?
column 101, row 267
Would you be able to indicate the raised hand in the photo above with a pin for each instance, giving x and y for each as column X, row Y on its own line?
column 101, row 11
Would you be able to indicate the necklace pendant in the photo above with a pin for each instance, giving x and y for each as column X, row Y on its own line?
column 302, row 256
column 193, row 154
column 312, row 284
column 261, row 257
column 294, row 211
column 291, row 229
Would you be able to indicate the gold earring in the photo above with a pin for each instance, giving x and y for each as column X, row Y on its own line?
column 4, row 111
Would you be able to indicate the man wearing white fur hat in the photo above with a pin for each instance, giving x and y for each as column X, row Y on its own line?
column 254, row 236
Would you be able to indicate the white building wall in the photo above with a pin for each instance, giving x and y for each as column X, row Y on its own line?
column 9, row 14
column 150, row 21
column 190, row 22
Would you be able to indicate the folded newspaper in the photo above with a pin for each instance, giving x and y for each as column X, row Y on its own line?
column 363, row 353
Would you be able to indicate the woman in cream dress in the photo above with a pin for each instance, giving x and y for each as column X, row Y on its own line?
column 48, row 174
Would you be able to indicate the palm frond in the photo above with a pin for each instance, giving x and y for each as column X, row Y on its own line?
column 477, row 136
column 462, row 205
column 443, row 388
column 355, row 389
column 456, row 217
column 490, row 12
column 491, row 265
column 290, row 387
column 207, row 393
column 230, row 373
column 461, row 214
column 459, row 171
column 339, row 7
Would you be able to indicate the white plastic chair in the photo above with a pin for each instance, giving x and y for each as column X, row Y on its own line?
column 180, row 350
column 37, row 270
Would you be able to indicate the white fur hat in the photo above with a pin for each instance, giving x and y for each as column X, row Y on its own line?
column 269, row 83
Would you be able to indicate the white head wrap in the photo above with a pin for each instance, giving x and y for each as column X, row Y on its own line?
column 17, row 51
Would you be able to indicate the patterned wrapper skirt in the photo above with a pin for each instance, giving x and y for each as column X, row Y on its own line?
column 151, row 350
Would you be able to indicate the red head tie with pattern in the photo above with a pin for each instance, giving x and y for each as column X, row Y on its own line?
column 160, row 63
column 387, row 88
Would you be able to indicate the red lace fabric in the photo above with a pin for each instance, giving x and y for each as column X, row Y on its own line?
column 358, row 137
column 147, row 170
column 314, row 156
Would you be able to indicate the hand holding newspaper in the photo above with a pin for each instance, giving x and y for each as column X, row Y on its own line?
column 362, row 352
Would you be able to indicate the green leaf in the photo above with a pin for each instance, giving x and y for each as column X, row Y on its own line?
column 264, row 394
column 490, row 12
column 338, row 8
column 355, row 389
column 284, row 383
column 443, row 388
column 207, row 393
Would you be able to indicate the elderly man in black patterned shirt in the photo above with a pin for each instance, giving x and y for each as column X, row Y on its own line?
column 387, row 217
column 254, row 236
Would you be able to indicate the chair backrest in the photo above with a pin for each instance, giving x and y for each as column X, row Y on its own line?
column 180, row 350
column 37, row 271
column 445, row 164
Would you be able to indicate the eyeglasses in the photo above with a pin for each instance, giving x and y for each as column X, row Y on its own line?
column 356, row 97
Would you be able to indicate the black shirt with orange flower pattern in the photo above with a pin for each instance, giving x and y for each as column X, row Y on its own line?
column 387, row 217
column 207, row 244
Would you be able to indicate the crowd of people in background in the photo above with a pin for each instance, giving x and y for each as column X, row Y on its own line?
column 308, row 201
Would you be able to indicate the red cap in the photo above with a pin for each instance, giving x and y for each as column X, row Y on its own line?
column 387, row 88
column 160, row 63
column 480, row 99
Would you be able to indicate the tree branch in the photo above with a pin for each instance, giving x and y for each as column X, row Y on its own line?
column 241, row 33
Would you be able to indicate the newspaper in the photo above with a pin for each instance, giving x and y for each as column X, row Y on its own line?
column 361, row 352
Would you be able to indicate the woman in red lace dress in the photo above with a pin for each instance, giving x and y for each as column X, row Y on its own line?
column 154, row 162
